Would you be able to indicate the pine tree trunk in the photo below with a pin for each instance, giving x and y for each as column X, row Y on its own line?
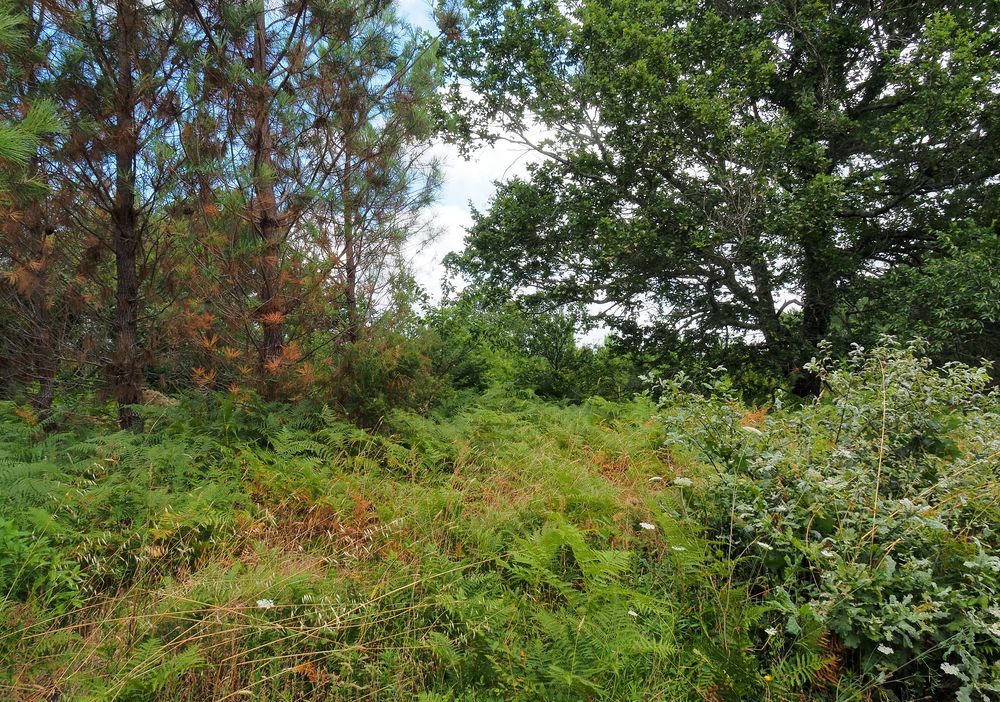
column 350, row 259
column 126, row 364
column 43, row 353
column 266, row 219
column 351, row 284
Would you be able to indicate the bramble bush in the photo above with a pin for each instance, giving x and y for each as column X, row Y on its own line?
column 871, row 512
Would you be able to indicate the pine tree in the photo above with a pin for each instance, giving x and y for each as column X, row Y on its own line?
column 381, row 176
column 120, row 68
column 26, row 122
column 27, row 232
column 294, row 104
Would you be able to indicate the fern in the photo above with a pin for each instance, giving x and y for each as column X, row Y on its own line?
column 152, row 667
column 798, row 670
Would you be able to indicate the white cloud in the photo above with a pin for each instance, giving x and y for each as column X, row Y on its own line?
column 473, row 180
column 418, row 12
column 449, row 223
column 467, row 184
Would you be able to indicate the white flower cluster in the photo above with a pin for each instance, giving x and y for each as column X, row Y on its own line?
column 951, row 669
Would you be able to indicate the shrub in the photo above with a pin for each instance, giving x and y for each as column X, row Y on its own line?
column 871, row 512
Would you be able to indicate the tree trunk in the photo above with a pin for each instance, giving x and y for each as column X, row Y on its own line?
column 266, row 219
column 350, row 259
column 43, row 352
column 818, row 293
column 351, row 285
column 767, row 316
column 126, row 364
column 817, row 301
column 44, row 355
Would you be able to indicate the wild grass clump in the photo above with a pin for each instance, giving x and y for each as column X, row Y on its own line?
column 232, row 550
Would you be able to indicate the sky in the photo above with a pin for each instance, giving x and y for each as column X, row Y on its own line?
column 467, row 184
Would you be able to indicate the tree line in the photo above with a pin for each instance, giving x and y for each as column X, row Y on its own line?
column 218, row 195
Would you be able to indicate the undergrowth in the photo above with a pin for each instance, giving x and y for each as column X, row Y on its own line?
column 513, row 549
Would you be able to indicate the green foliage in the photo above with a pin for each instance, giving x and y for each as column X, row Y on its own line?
column 713, row 168
column 951, row 298
column 387, row 371
column 31, row 567
column 483, row 342
column 506, row 548
column 490, row 554
column 39, row 119
column 872, row 512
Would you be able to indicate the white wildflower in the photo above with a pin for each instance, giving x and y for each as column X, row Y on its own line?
column 770, row 631
column 265, row 604
column 828, row 553
column 682, row 482
column 633, row 613
column 678, row 548
column 951, row 669
column 885, row 649
column 647, row 526
column 765, row 546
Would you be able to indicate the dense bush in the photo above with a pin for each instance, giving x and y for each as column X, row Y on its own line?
column 950, row 297
column 872, row 512
column 515, row 549
column 481, row 343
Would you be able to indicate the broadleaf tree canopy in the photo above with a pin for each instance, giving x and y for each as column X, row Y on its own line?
column 725, row 169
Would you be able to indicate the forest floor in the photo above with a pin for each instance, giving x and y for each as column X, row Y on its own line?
column 507, row 548
column 298, row 557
